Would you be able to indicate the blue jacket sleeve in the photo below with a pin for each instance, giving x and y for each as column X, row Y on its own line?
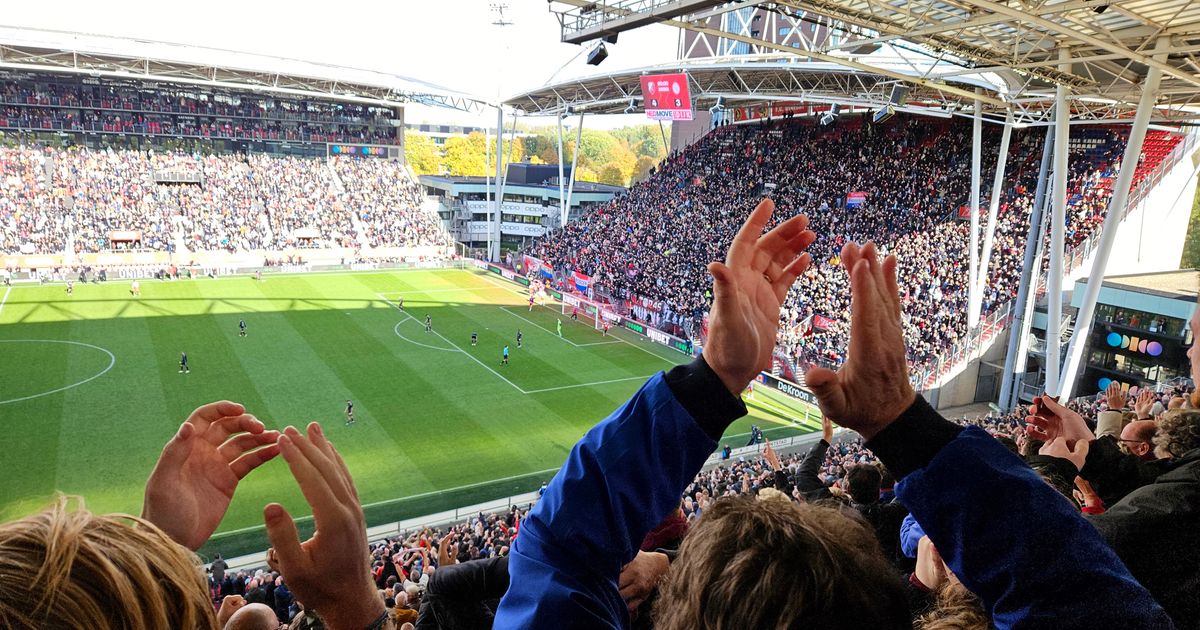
column 1011, row 538
column 910, row 535
column 619, row 481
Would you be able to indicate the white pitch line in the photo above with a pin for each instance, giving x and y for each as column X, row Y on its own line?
column 552, row 333
column 410, row 497
column 615, row 380
column 5, row 300
column 396, row 329
column 458, row 289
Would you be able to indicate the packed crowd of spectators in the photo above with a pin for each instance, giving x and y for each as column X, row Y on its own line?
column 189, row 113
column 49, row 198
column 955, row 527
column 654, row 243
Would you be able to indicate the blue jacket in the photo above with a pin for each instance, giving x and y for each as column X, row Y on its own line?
column 1033, row 559
column 1012, row 539
column 622, row 478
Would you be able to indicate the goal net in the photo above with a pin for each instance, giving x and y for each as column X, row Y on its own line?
column 588, row 312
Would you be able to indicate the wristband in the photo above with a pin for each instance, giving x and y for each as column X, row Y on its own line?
column 379, row 622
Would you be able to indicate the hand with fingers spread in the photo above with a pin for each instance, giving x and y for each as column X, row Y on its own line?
column 1051, row 420
column 330, row 572
column 748, row 289
column 1114, row 397
column 871, row 389
column 1144, row 404
column 199, row 469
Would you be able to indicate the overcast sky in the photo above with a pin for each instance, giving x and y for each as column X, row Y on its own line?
column 447, row 42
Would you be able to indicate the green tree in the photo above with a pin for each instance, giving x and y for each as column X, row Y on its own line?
column 642, row 170
column 421, row 153
column 611, row 174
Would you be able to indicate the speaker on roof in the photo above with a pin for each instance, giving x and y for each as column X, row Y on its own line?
column 611, row 39
column 899, row 94
column 883, row 114
column 598, row 55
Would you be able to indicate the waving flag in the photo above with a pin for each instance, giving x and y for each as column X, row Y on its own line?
column 582, row 282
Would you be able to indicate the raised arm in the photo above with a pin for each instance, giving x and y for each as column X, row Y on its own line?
column 628, row 472
column 1011, row 539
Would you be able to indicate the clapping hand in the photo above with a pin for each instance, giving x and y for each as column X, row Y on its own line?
column 199, row 469
column 1144, row 404
column 749, row 288
column 1051, row 420
column 871, row 389
column 1114, row 396
column 330, row 572
column 772, row 457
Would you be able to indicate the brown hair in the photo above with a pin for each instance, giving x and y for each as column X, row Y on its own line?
column 1178, row 432
column 776, row 564
column 69, row 568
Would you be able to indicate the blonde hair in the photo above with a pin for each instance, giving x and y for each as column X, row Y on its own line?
column 70, row 568
column 956, row 608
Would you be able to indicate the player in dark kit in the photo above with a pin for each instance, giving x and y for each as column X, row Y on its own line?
column 349, row 412
column 400, row 302
column 520, row 337
column 241, row 328
column 474, row 339
column 183, row 366
column 428, row 323
column 70, row 288
column 504, row 357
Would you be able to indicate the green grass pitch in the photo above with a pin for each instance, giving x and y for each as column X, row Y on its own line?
column 90, row 389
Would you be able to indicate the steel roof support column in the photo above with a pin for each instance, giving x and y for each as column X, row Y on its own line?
column 1019, row 330
column 1054, row 274
column 574, row 162
column 562, row 194
column 487, row 188
column 989, row 233
column 973, row 253
column 1112, row 219
column 495, row 253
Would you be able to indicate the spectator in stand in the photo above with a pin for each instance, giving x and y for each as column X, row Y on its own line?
column 975, row 499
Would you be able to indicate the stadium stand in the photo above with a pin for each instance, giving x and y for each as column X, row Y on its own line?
column 50, row 198
column 650, row 247
column 40, row 102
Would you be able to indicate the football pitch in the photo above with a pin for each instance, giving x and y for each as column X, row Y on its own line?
column 90, row 388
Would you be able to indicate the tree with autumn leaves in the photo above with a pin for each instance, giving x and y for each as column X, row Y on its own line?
column 619, row 157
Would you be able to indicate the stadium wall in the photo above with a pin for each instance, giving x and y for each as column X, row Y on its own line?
column 221, row 259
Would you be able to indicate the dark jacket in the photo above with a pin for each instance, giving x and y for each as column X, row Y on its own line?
column 1155, row 530
column 885, row 520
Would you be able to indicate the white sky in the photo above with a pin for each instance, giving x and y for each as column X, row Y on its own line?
column 446, row 42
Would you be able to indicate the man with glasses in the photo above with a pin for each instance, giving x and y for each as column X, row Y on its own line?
column 1137, row 438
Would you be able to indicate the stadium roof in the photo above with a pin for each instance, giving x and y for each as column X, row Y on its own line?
column 741, row 82
column 1100, row 49
column 99, row 55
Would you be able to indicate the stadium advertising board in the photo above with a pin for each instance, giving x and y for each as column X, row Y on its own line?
column 787, row 387
column 667, row 97
column 635, row 327
column 358, row 149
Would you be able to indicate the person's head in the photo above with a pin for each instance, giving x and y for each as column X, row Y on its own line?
column 1138, row 438
column 253, row 617
column 1178, row 433
column 777, row 564
column 82, row 570
column 863, row 483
